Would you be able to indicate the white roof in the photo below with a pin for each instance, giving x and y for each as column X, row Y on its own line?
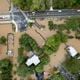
column 72, row 51
column 33, row 60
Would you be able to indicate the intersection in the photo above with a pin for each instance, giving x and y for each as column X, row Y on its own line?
column 21, row 18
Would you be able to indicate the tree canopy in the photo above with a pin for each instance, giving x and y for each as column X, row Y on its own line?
column 36, row 5
column 62, row 4
column 28, row 43
column 5, row 70
column 32, row 5
column 3, row 40
column 52, row 44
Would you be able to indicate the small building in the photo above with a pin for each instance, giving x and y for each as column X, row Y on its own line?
column 72, row 51
column 34, row 59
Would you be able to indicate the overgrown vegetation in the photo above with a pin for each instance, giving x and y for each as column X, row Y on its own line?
column 5, row 70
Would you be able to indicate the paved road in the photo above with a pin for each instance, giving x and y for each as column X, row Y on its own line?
column 21, row 21
column 19, row 18
column 54, row 13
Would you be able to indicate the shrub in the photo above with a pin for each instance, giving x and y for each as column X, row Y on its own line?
column 3, row 40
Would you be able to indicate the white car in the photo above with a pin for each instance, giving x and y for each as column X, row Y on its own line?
column 33, row 13
column 78, row 10
column 59, row 10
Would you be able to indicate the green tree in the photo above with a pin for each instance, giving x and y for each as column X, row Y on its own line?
column 5, row 70
column 52, row 44
column 3, row 40
column 28, row 43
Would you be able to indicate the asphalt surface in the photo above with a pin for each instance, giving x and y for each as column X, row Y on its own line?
column 54, row 13
column 19, row 18
column 21, row 21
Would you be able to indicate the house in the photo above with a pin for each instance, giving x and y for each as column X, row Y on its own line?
column 34, row 59
column 72, row 51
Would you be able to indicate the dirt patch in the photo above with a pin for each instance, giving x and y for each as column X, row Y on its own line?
column 5, row 29
column 3, row 51
column 4, row 6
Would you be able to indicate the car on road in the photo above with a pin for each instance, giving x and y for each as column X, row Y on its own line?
column 59, row 10
column 78, row 10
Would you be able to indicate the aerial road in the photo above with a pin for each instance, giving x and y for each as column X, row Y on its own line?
column 20, row 18
column 54, row 13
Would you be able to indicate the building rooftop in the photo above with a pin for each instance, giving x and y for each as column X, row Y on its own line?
column 72, row 51
column 33, row 60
